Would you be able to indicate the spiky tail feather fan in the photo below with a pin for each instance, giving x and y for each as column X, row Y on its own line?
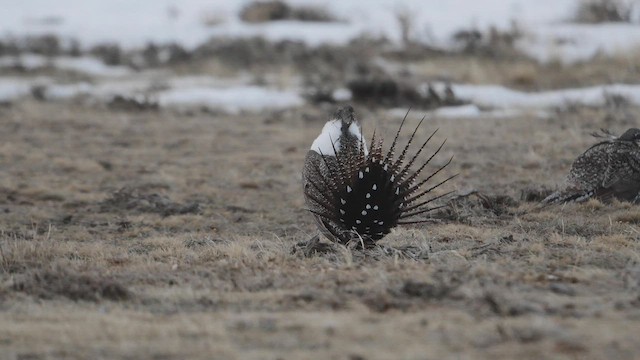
column 363, row 197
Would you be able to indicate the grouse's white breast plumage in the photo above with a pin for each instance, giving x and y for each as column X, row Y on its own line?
column 332, row 133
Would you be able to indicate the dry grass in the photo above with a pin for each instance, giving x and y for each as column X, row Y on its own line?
column 603, row 11
column 98, row 261
column 527, row 74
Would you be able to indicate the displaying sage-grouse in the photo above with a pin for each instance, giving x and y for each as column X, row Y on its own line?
column 607, row 170
column 358, row 193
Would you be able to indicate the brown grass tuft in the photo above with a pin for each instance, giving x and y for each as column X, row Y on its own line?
column 87, row 286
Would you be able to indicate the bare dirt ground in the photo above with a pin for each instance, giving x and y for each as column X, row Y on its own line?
column 162, row 234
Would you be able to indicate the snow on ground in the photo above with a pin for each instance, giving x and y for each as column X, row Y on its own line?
column 549, row 36
column 499, row 101
column 235, row 95
column 179, row 92
column 499, row 97
column 68, row 91
column 470, row 111
column 191, row 22
column 13, row 88
column 84, row 64
column 231, row 99
column 463, row 111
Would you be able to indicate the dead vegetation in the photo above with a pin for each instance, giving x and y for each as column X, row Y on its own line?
column 600, row 11
column 183, row 240
column 273, row 10
column 145, row 200
column 388, row 92
column 72, row 285
column 492, row 43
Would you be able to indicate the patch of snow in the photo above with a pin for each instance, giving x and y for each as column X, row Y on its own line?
column 127, row 23
column 11, row 89
column 173, row 92
column 500, row 101
column 458, row 111
column 499, row 97
column 341, row 94
column 470, row 111
column 91, row 66
column 27, row 61
column 68, row 91
column 85, row 65
column 230, row 99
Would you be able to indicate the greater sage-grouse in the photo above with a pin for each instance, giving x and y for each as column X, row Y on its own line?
column 607, row 170
column 358, row 193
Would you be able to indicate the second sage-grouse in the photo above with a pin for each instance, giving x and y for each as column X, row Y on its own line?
column 607, row 170
column 358, row 193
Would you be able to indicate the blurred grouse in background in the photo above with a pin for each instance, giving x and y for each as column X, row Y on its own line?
column 358, row 193
column 607, row 170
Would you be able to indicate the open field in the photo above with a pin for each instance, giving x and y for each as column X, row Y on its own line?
column 150, row 180
column 162, row 234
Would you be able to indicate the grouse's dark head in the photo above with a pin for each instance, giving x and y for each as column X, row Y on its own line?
column 360, row 193
column 346, row 114
column 633, row 134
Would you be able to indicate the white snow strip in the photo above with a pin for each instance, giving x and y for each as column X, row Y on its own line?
column 85, row 64
column 470, row 111
column 27, row 61
column 341, row 94
column 231, row 99
column 499, row 97
column 68, row 91
column 499, row 101
column 102, row 91
column 458, row 111
column 90, row 66
column 11, row 89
